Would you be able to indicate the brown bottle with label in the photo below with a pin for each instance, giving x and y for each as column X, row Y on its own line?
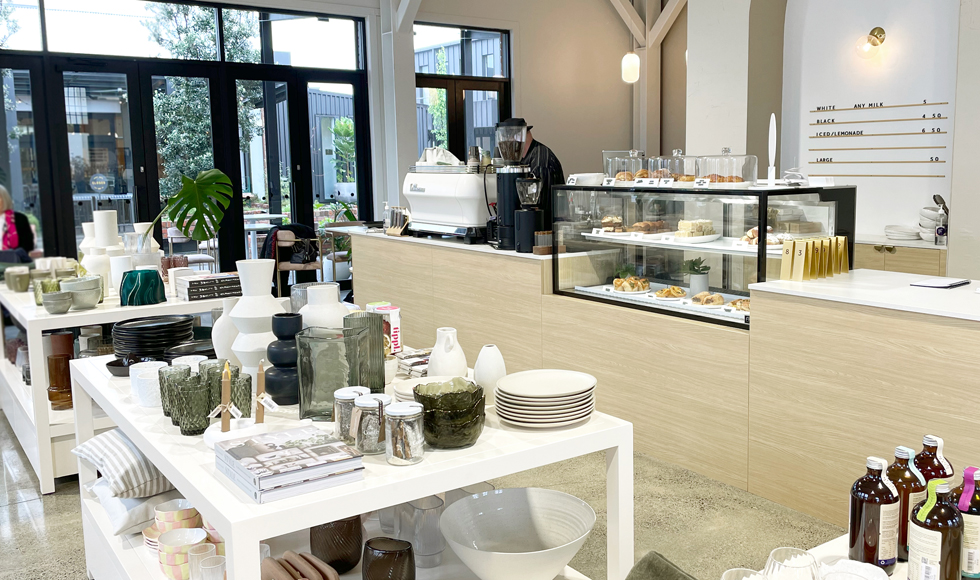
column 874, row 518
column 911, row 486
column 931, row 462
column 966, row 497
column 935, row 536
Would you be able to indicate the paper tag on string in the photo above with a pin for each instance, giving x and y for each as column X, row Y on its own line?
column 266, row 401
column 235, row 412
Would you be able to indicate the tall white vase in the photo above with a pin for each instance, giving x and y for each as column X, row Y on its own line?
column 447, row 358
column 119, row 265
column 88, row 228
column 106, row 228
column 224, row 332
column 323, row 307
column 140, row 228
column 489, row 368
column 253, row 314
column 97, row 264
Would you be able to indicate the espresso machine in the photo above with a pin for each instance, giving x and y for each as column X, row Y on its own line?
column 528, row 218
column 510, row 137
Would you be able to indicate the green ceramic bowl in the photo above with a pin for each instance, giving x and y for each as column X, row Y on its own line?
column 18, row 281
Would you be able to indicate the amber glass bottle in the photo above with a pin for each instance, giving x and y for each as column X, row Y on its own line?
column 935, row 536
column 966, row 497
column 911, row 486
column 931, row 461
column 874, row 518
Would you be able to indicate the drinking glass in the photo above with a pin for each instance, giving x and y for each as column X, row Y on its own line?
column 458, row 494
column 213, row 568
column 241, row 394
column 742, row 574
column 198, row 554
column 371, row 359
column 169, row 377
column 210, row 371
column 387, row 559
column 386, row 517
column 327, row 361
column 418, row 523
column 338, row 543
column 191, row 408
column 791, row 564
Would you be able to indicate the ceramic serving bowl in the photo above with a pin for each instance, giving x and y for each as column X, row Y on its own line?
column 179, row 541
column 84, row 299
column 174, row 559
column 180, row 572
column 120, row 367
column 190, row 523
column 175, row 510
column 56, row 302
column 83, row 283
column 526, row 533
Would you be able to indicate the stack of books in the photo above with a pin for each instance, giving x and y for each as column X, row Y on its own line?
column 414, row 362
column 206, row 286
column 287, row 463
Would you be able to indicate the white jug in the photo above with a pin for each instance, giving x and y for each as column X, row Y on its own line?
column 447, row 359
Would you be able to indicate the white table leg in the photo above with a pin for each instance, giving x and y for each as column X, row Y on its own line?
column 84, row 430
column 242, row 557
column 42, row 417
column 253, row 244
column 619, row 507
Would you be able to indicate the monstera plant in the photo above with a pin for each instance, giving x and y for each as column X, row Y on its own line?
column 196, row 210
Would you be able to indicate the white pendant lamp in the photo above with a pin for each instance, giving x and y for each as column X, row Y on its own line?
column 631, row 67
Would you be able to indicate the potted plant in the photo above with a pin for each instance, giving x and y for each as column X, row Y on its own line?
column 341, row 254
column 196, row 210
column 698, row 273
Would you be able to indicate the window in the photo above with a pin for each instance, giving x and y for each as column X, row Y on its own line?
column 293, row 40
column 462, row 86
column 20, row 25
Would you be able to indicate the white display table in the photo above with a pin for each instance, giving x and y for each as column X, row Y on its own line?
column 189, row 465
column 48, row 436
column 837, row 548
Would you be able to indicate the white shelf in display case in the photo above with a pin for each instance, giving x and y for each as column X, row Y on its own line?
column 189, row 465
column 719, row 246
column 47, row 436
column 682, row 305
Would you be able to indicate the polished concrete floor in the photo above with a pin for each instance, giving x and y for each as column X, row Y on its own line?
column 703, row 526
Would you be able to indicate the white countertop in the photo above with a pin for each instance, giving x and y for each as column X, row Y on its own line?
column 889, row 290
column 445, row 242
column 881, row 240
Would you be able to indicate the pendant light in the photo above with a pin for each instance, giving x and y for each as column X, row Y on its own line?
column 867, row 46
column 631, row 67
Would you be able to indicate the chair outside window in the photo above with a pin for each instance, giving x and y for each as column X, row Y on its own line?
column 288, row 244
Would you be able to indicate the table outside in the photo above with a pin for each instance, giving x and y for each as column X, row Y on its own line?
column 252, row 229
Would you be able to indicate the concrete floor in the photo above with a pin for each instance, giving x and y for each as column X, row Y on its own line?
column 703, row 526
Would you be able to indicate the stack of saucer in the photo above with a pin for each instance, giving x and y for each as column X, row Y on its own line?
column 544, row 399
column 902, row 233
column 404, row 390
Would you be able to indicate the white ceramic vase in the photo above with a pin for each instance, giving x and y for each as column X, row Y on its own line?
column 253, row 314
column 140, row 228
column 224, row 332
column 106, row 228
column 119, row 265
column 447, row 358
column 699, row 283
column 96, row 262
column 488, row 369
column 323, row 307
column 88, row 228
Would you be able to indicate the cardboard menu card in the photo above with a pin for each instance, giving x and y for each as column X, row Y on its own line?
column 812, row 259
column 786, row 267
column 829, row 258
column 801, row 261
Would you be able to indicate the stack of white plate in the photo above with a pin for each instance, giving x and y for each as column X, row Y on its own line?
column 403, row 390
column 544, row 399
column 902, row 232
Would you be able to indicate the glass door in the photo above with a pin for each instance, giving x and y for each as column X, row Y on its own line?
column 333, row 132
column 20, row 171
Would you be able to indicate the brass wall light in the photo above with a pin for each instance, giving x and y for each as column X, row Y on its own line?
column 867, row 46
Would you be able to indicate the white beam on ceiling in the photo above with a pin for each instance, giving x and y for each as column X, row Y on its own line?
column 632, row 19
column 660, row 28
column 407, row 9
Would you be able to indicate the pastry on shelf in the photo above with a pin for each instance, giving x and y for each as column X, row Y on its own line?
column 624, row 176
column 682, row 177
column 715, row 178
column 649, row 227
column 631, row 284
column 742, row 304
column 694, row 228
column 641, row 174
column 612, row 223
column 671, row 292
column 660, row 173
column 713, row 300
column 700, row 298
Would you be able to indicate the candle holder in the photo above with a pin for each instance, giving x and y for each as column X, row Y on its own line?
column 328, row 360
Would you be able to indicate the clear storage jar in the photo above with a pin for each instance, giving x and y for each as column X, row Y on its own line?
column 404, row 441
column 729, row 169
column 368, row 423
column 683, row 168
column 629, row 167
column 343, row 410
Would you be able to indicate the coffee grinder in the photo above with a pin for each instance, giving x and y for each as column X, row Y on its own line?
column 528, row 218
column 510, row 137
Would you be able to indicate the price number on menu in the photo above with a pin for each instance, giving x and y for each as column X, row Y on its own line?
column 609, row 182
column 933, row 116
column 702, row 182
column 932, row 130
column 572, row 180
column 934, row 159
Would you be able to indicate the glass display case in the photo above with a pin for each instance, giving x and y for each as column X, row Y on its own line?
column 727, row 170
column 683, row 169
column 683, row 252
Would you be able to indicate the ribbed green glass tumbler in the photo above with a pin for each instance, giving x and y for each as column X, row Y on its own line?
column 241, row 393
column 191, row 405
column 169, row 377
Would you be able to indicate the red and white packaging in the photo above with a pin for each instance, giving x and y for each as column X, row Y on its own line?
column 392, row 326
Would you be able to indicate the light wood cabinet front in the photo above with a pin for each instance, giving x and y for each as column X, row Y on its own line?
column 868, row 257
column 912, row 260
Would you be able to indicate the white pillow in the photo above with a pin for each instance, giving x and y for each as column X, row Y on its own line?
column 129, row 473
column 129, row 516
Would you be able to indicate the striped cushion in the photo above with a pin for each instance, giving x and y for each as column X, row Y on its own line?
column 129, row 473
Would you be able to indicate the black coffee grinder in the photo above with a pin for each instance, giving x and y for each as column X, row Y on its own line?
column 529, row 217
column 510, row 137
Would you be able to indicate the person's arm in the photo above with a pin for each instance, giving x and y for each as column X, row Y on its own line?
column 25, row 235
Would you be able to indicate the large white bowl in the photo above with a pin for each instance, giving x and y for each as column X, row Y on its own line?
column 931, row 213
column 525, row 533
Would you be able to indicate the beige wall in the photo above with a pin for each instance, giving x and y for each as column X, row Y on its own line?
column 766, row 20
column 567, row 66
column 673, row 83
column 964, row 220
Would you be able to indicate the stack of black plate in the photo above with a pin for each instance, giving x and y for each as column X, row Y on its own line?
column 192, row 348
column 151, row 336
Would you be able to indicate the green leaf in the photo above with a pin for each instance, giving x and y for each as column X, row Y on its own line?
column 196, row 210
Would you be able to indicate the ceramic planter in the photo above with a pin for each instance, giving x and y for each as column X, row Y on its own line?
column 699, row 284
column 282, row 380
column 224, row 332
column 488, row 369
column 142, row 287
column 253, row 313
column 323, row 307
column 447, row 358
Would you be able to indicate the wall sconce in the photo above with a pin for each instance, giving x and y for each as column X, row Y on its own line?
column 631, row 67
column 867, row 46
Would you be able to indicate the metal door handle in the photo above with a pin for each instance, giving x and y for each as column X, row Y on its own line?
column 878, row 248
column 890, row 249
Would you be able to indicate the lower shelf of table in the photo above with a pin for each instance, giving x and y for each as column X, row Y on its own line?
column 111, row 557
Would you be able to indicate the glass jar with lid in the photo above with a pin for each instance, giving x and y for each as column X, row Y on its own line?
column 627, row 166
column 404, row 439
column 729, row 170
column 683, row 168
column 368, row 423
column 343, row 410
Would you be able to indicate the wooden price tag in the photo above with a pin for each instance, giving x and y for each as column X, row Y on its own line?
column 667, row 182
column 572, row 180
column 786, row 268
column 702, row 182
column 609, row 182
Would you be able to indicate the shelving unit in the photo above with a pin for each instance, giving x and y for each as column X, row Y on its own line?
column 189, row 465
column 48, row 436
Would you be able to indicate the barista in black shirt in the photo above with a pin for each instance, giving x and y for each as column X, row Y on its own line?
column 546, row 167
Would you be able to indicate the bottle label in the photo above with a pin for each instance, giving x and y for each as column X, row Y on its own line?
column 925, row 551
column 971, row 546
column 889, row 515
column 969, row 487
column 947, row 468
